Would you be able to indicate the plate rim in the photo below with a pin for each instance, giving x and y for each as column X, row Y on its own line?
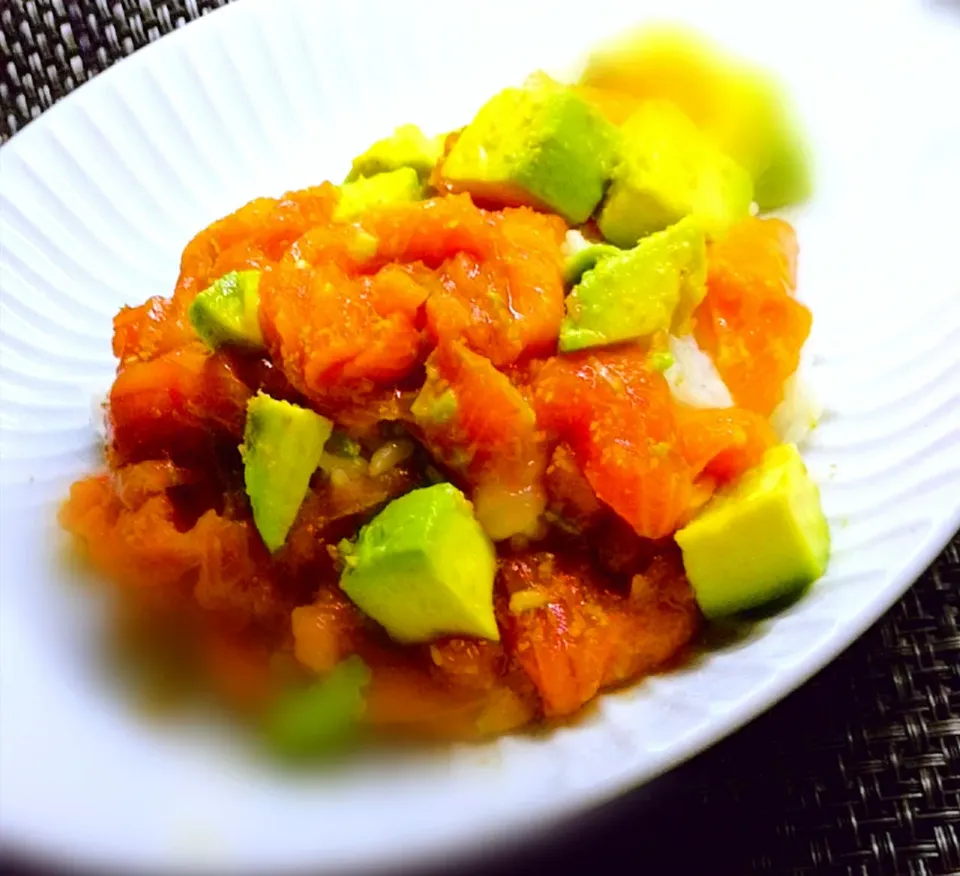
column 761, row 697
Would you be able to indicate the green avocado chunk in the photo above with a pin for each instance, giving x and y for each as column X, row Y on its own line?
column 540, row 146
column 586, row 259
column 401, row 186
column 281, row 449
column 740, row 107
column 669, row 170
column 405, row 147
column 423, row 567
column 322, row 717
column 434, row 405
column 762, row 538
column 640, row 291
column 227, row 311
column 787, row 178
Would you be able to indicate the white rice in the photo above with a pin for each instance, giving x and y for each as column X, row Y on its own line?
column 798, row 414
column 390, row 454
column 574, row 242
column 695, row 381
column 693, row 378
column 98, row 415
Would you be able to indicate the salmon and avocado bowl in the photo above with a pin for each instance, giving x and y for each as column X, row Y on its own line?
column 500, row 421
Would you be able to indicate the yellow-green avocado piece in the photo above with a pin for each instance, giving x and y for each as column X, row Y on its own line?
column 405, row 147
column 282, row 445
column 762, row 538
column 586, row 259
column 669, row 169
column 636, row 292
column 742, row 108
column 423, row 567
column 401, row 186
column 322, row 717
column 787, row 177
column 228, row 311
column 540, row 146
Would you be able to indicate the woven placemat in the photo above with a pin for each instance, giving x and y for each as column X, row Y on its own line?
column 857, row 773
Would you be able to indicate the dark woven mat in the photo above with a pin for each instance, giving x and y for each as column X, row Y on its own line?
column 857, row 773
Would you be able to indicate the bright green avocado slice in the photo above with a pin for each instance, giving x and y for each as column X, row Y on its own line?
column 322, row 717
column 405, row 147
column 401, row 186
column 227, row 311
column 669, row 169
column 740, row 107
column 540, row 146
column 586, row 259
column 423, row 567
column 787, row 178
column 281, row 449
column 638, row 292
column 759, row 540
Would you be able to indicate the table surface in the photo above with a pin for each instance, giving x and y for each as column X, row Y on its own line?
column 856, row 773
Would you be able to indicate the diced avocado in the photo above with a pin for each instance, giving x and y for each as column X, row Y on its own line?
column 760, row 539
column 400, row 186
column 281, row 449
column 435, row 405
column 638, row 292
column 788, row 177
column 740, row 107
column 540, row 146
column 586, row 259
column 669, row 169
column 423, row 567
column 661, row 360
column 405, row 147
column 363, row 247
column 321, row 718
column 227, row 311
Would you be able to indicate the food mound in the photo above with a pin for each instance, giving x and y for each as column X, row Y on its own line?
column 452, row 446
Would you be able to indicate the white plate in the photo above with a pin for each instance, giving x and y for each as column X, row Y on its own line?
column 101, row 193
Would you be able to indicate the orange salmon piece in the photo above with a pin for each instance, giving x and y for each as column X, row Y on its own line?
column 749, row 322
